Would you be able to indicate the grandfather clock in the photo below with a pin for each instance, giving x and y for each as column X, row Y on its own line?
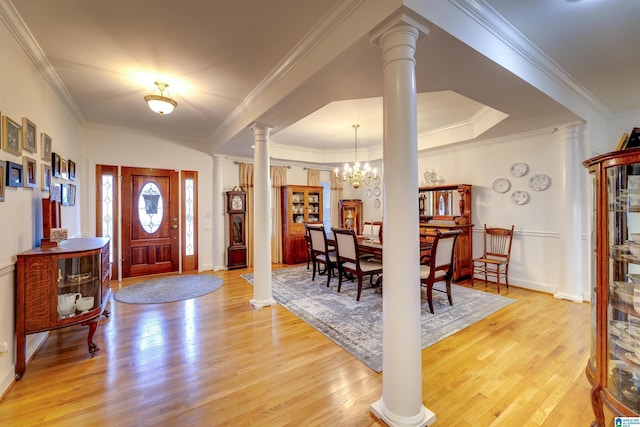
column 237, row 249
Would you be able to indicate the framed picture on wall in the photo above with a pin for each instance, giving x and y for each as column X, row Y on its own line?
column 72, row 195
column 45, row 180
column 45, row 141
column 64, row 169
column 65, row 194
column 29, row 140
column 3, row 172
column 14, row 174
column 29, row 168
column 11, row 136
column 55, row 193
column 72, row 170
column 55, row 165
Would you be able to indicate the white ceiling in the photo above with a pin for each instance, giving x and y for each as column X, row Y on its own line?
column 225, row 60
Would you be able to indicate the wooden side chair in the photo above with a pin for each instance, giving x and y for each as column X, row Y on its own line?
column 373, row 229
column 350, row 261
column 496, row 252
column 320, row 252
column 438, row 266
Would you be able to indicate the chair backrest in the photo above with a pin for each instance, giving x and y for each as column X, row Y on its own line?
column 318, row 239
column 497, row 242
column 443, row 249
column 372, row 229
column 346, row 244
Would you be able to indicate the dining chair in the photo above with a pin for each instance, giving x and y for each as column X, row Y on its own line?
column 321, row 253
column 496, row 252
column 438, row 266
column 372, row 229
column 349, row 260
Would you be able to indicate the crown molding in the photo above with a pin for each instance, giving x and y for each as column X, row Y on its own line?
column 494, row 23
column 17, row 27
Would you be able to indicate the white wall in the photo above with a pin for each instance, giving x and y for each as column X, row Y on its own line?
column 123, row 147
column 25, row 93
column 536, row 251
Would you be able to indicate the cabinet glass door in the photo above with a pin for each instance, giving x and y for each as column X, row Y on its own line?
column 79, row 285
column 297, row 207
column 314, row 207
column 623, row 309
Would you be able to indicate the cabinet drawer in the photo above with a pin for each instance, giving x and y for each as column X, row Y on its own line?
column 297, row 230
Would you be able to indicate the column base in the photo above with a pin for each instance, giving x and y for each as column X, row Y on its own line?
column 424, row 418
column 262, row 304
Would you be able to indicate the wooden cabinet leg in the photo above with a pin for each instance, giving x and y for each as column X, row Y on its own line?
column 93, row 325
column 596, row 404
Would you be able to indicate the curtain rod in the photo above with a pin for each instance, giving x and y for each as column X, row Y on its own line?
column 236, row 162
column 324, row 170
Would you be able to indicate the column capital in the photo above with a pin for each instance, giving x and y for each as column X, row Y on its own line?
column 400, row 21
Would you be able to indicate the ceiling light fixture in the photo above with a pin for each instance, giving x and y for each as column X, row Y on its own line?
column 353, row 174
column 159, row 100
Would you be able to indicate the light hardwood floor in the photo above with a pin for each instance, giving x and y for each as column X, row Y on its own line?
column 216, row 361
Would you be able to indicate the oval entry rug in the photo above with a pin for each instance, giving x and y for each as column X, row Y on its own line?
column 168, row 289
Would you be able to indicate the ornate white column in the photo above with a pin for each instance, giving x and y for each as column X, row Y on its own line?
column 401, row 402
column 262, row 294
column 572, row 215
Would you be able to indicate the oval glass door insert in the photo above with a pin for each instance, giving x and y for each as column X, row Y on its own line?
column 150, row 207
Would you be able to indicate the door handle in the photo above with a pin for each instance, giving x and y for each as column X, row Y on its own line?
column 174, row 226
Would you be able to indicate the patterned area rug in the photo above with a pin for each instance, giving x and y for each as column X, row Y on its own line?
column 357, row 326
column 168, row 289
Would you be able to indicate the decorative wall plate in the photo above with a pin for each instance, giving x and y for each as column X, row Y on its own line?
column 369, row 192
column 519, row 197
column 376, row 191
column 539, row 182
column 501, row 185
column 519, row 169
column 376, row 180
column 376, row 203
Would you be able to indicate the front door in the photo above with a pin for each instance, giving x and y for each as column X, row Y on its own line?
column 150, row 226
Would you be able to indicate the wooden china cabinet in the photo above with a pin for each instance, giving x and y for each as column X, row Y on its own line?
column 60, row 286
column 351, row 214
column 300, row 204
column 448, row 207
column 614, row 363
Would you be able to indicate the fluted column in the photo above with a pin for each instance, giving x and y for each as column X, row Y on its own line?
column 401, row 401
column 218, row 215
column 572, row 215
column 262, row 294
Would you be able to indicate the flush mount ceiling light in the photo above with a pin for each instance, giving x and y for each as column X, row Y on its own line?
column 159, row 100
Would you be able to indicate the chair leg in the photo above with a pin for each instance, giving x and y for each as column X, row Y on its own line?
column 329, row 270
column 449, row 292
column 506, row 275
column 486, row 281
column 313, row 275
column 430, row 296
column 498, row 277
column 339, row 277
column 359, row 287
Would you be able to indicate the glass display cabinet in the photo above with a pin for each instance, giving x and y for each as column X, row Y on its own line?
column 61, row 286
column 300, row 204
column 614, row 363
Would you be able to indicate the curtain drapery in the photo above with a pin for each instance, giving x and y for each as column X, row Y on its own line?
column 246, row 182
column 336, row 196
column 278, row 180
column 313, row 177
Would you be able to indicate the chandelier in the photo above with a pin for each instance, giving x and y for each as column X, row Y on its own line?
column 353, row 173
column 159, row 101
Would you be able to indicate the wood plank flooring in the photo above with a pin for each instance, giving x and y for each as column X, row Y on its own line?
column 215, row 361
